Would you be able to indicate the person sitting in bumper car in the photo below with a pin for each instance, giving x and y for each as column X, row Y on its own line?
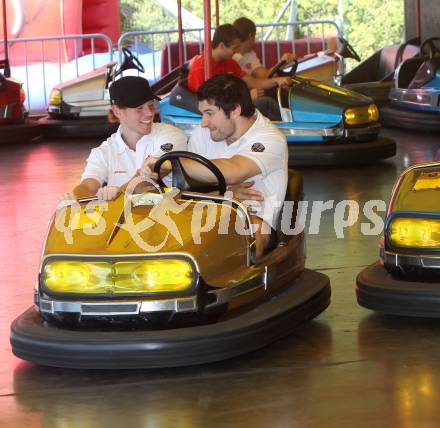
column 118, row 159
column 248, row 149
column 225, row 43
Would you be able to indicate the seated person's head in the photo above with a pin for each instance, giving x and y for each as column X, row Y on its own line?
column 247, row 31
column 224, row 100
column 133, row 104
column 226, row 41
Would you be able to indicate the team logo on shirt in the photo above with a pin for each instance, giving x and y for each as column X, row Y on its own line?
column 166, row 147
column 258, row 147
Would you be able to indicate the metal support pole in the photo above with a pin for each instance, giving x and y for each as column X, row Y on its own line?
column 7, row 70
column 180, row 31
column 217, row 13
column 207, row 36
column 418, row 20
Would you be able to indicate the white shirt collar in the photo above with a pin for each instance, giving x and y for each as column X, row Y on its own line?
column 120, row 142
column 122, row 146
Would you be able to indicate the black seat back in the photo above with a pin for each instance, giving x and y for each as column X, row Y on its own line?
column 408, row 70
column 380, row 66
column 182, row 97
column 294, row 194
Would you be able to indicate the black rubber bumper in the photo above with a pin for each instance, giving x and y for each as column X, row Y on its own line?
column 36, row 341
column 341, row 154
column 410, row 119
column 20, row 132
column 92, row 127
column 376, row 289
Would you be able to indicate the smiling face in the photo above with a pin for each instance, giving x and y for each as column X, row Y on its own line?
column 136, row 121
column 214, row 118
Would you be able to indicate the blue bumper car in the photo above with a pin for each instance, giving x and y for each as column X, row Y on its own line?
column 415, row 92
column 323, row 124
column 406, row 279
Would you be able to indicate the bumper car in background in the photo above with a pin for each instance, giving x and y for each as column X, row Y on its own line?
column 140, row 283
column 373, row 77
column 415, row 91
column 406, row 279
column 323, row 124
column 79, row 107
column 14, row 125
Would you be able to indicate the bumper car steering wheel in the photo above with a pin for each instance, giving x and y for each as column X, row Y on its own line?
column 182, row 180
column 284, row 68
column 347, row 51
column 130, row 62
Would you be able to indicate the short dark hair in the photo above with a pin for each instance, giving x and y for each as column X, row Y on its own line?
column 245, row 27
column 227, row 91
column 225, row 34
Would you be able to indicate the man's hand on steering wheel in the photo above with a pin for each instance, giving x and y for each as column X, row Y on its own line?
column 147, row 168
column 283, row 81
column 283, row 64
column 182, row 178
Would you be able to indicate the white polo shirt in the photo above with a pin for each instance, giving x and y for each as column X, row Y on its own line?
column 114, row 163
column 267, row 147
column 247, row 61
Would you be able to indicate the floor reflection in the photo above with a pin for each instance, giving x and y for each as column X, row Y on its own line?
column 349, row 367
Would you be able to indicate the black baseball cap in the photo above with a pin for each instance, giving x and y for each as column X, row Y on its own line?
column 131, row 91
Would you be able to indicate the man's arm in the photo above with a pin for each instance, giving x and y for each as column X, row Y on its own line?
column 87, row 187
column 265, row 83
column 235, row 170
column 260, row 72
column 263, row 72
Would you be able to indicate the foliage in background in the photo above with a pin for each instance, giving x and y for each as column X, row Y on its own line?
column 368, row 24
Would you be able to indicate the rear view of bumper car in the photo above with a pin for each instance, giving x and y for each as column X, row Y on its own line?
column 120, row 288
column 406, row 279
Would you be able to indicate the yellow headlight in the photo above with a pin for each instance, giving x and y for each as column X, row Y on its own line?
column 361, row 115
column 55, row 97
column 78, row 277
column 412, row 232
column 139, row 276
column 152, row 276
column 373, row 113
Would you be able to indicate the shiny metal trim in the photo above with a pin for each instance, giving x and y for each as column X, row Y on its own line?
column 367, row 130
column 428, row 262
column 225, row 295
column 405, row 95
column 337, row 131
column 6, row 111
column 187, row 304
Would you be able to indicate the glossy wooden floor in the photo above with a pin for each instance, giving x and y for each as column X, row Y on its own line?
column 349, row 367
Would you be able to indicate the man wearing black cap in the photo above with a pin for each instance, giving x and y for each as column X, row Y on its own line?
column 117, row 159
